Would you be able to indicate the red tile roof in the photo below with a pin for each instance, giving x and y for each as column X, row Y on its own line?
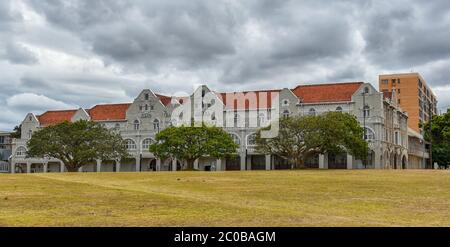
column 55, row 117
column 263, row 99
column 109, row 112
column 335, row 92
column 164, row 99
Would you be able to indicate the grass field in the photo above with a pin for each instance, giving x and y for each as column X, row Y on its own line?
column 275, row 198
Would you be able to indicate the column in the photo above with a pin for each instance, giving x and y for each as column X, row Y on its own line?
column 99, row 165
column 13, row 167
column 174, row 165
column 349, row 162
column 323, row 161
column 138, row 164
column 196, row 164
column 61, row 167
column 158, row 165
column 45, row 167
column 28, row 167
column 243, row 158
column 117, row 165
column 268, row 163
column 218, row 165
column 378, row 161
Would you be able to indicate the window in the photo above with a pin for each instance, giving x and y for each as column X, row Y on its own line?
column 130, row 144
column 136, row 124
column 398, row 91
column 397, row 140
column 286, row 114
column 117, row 127
column 30, row 134
column 394, row 81
column 369, row 134
column 366, row 90
column 236, row 119
column 146, row 96
column 152, row 107
column 251, row 140
column 146, row 144
column 399, row 101
column 285, row 102
column 339, row 109
column 235, row 138
column 146, row 107
column 261, row 119
column 366, row 111
column 213, row 117
column 385, row 81
column 21, row 152
column 312, row 112
column 156, row 124
column 2, row 140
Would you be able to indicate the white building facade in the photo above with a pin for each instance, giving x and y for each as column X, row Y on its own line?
column 242, row 114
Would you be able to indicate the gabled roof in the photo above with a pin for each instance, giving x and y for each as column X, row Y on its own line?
column 109, row 112
column 332, row 92
column 55, row 117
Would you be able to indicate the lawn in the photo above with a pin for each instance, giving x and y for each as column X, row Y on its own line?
column 258, row 198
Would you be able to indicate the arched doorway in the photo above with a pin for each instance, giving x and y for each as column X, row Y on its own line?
column 404, row 165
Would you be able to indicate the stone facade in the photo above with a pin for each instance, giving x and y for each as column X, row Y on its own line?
column 138, row 123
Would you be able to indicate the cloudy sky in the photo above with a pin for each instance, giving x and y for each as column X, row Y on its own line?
column 64, row 54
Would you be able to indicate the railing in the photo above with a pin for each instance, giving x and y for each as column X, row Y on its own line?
column 4, row 168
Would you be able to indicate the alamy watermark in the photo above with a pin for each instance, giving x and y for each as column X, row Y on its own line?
column 230, row 110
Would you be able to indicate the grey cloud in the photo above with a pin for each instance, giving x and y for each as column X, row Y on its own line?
column 18, row 54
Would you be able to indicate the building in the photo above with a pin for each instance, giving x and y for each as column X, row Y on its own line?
column 418, row 100
column 413, row 95
column 5, row 150
column 241, row 115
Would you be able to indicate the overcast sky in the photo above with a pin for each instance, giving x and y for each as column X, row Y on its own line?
column 67, row 54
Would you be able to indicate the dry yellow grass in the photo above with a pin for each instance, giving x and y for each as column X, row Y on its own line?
column 274, row 198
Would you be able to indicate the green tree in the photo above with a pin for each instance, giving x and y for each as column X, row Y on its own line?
column 17, row 133
column 440, row 137
column 303, row 137
column 77, row 144
column 190, row 143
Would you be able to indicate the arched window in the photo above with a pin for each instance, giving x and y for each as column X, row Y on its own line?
column 21, row 152
column 366, row 111
column 366, row 90
column 286, row 114
column 146, row 144
column 339, row 109
column 156, row 124
column 30, row 134
column 146, row 96
column 251, row 140
column 136, row 124
column 369, row 134
column 130, row 144
column 235, row 138
column 312, row 112
column 117, row 127
column 146, row 107
column 236, row 119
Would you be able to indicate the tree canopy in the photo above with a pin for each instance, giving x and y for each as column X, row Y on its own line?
column 302, row 137
column 77, row 144
column 190, row 143
column 440, row 137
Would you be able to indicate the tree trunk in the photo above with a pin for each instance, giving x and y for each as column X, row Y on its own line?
column 190, row 164
column 72, row 167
